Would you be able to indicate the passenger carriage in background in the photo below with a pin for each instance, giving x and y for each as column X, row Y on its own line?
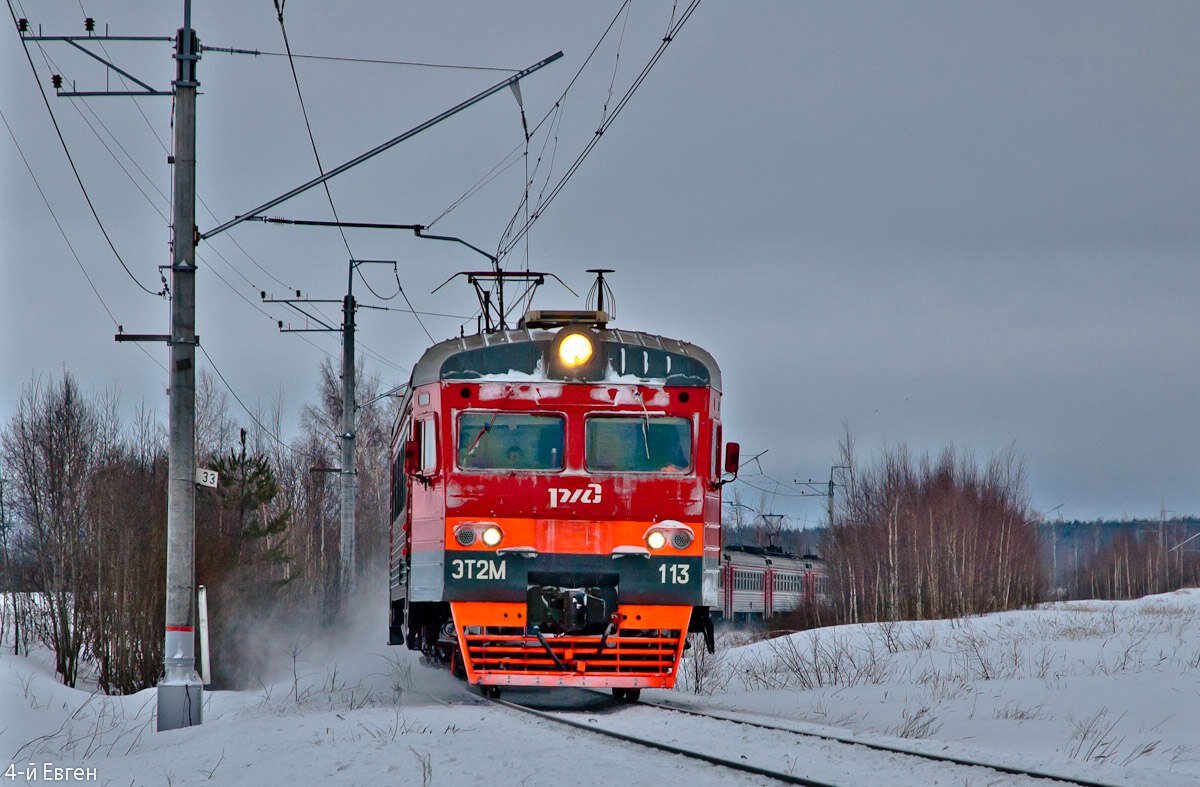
column 758, row 582
column 556, row 512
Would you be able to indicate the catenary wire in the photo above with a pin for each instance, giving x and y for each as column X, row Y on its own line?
column 507, row 245
column 307, row 125
column 321, row 169
column 367, row 351
column 561, row 97
column 238, row 399
column 369, row 60
column 70, row 160
column 201, row 257
column 67, row 240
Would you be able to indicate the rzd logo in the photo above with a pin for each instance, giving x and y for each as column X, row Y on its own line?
column 560, row 497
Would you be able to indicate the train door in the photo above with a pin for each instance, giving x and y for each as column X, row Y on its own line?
column 768, row 592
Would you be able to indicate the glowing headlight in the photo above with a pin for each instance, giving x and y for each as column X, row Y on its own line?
column 491, row 536
column 656, row 540
column 574, row 350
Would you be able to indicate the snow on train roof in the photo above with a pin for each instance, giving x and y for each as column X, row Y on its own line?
column 756, row 557
column 629, row 357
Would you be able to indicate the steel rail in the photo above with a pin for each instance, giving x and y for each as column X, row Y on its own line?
column 1013, row 770
column 787, row 778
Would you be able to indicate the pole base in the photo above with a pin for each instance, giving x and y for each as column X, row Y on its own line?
column 179, row 705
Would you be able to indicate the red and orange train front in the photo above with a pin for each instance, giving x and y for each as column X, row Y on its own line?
column 556, row 512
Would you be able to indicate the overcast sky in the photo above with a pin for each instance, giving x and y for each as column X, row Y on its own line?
column 935, row 222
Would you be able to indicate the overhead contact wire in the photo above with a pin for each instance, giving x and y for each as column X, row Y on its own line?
column 75, row 170
column 321, row 169
column 507, row 245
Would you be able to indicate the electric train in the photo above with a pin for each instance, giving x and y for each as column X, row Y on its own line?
column 556, row 505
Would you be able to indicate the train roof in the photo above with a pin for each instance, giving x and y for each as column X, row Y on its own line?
column 764, row 556
column 629, row 357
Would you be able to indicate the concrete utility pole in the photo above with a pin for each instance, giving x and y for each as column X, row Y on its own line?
column 348, row 476
column 347, row 472
column 180, row 692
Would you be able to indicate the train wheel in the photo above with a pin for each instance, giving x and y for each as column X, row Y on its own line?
column 618, row 694
column 632, row 695
column 491, row 692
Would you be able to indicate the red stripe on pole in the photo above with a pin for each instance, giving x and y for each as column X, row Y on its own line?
column 180, row 628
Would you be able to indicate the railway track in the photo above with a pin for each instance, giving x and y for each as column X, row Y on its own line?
column 891, row 753
column 1006, row 769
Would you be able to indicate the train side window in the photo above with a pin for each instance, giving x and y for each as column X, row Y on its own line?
column 714, row 466
column 399, row 488
column 747, row 580
column 428, row 440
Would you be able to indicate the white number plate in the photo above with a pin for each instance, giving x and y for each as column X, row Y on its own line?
column 473, row 568
column 673, row 574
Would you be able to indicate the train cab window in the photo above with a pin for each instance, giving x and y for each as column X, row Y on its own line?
column 510, row 441
column 639, row 444
column 714, row 464
column 427, row 437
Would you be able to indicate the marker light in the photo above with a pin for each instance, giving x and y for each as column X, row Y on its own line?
column 491, row 536
column 656, row 539
column 465, row 536
column 681, row 539
column 574, row 350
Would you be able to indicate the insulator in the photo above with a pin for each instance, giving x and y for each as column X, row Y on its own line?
column 56, row 81
column 89, row 24
column 23, row 25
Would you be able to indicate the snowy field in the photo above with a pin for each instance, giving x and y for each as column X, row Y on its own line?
column 1104, row 690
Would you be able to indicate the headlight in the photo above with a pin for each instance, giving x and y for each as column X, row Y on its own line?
column 465, row 536
column 656, row 539
column 574, row 350
column 492, row 536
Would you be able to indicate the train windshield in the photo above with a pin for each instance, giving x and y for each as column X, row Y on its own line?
column 510, row 441
column 639, row 444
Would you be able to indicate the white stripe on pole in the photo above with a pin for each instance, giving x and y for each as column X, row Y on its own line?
column 205, row 672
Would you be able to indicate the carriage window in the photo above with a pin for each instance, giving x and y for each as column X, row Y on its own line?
column 399, row 489
column 510, row 441
column 639, row 444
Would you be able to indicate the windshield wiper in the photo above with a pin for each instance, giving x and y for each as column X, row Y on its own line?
column 645, row 422
column 486, row 427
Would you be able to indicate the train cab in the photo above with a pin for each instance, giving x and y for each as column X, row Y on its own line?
column 556, row 504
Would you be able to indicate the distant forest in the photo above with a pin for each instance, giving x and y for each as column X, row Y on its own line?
column 1072, row 547
column 1097, row 558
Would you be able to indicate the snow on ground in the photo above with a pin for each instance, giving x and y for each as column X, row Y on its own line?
column 1106, row 690
column 350, row 710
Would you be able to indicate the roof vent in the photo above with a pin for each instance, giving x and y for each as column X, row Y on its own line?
column 556, row 318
